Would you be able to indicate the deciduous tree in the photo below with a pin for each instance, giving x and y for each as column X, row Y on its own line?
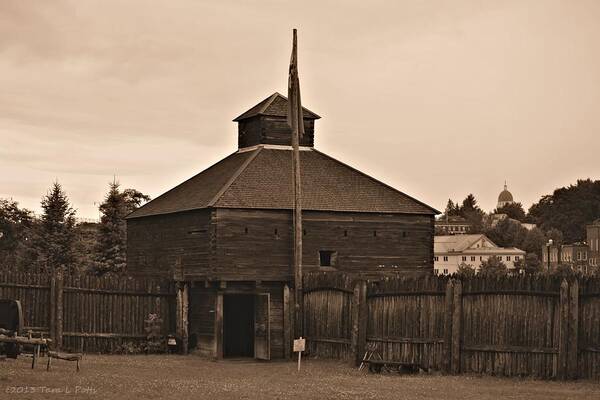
column 15, row 226
column 465, row 270
column 530, row 265
column 513, row 210
column 568, row 209
column 493, row 267
column 534, row 240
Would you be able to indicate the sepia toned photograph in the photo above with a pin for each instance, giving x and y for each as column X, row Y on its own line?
column 273, row 199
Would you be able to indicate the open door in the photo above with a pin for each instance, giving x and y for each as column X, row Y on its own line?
column 262, row 327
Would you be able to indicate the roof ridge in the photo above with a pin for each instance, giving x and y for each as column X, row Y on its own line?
column 377, row 181
column 237, row 173
column 317, row 116
column 472, row 242
column 268, row 101
column 479, row 235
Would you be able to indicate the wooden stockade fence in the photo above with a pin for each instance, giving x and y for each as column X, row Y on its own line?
column 327, row 305
column 88, row 313
column 589, row 328
column 514, row 326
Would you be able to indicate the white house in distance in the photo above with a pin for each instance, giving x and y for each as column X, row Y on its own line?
column 452, row 250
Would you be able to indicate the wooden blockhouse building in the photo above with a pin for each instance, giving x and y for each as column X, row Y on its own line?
column 226, row 235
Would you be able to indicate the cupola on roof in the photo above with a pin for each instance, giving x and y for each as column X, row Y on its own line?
column 266, row 123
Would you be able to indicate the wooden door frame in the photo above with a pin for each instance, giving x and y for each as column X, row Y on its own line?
column 268, row 328
column 219, row 308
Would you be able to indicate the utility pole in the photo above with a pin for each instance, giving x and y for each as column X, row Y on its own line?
column 296, row 121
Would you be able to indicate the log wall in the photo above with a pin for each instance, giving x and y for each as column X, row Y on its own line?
column 257, row 244
column 165, row 245
column 272, row 130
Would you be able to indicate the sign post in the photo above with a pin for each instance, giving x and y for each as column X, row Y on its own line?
column 299, row 346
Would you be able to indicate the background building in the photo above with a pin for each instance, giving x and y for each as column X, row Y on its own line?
column 452, row 225
column 505, row 197
column 575, row 255
column 593, row 241
column 452, row 250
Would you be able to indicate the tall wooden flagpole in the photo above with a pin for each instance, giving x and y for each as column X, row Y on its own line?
column 296, row 121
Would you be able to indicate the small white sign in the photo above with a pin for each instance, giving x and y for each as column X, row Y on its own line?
column 299, row 344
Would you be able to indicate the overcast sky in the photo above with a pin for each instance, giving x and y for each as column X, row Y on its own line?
column 436, row 98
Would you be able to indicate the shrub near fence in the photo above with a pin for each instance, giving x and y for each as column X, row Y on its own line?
column 89, row 313
column 512, row 326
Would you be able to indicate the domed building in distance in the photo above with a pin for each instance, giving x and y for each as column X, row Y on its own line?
column 505, row 197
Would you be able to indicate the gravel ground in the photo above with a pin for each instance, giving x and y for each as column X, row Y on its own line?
column 192, row 377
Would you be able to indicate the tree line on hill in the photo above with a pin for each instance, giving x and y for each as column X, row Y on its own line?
column 54, row 242
column 560, row 216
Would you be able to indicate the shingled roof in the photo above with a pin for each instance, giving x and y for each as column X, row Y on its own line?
column 275, row 105
column 262, row 179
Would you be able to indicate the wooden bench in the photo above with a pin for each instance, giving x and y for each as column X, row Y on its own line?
column 64, row 356
column 22, row 340
column 400, row 366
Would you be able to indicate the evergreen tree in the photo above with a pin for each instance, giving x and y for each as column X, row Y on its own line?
column 112, row 233
column 469, row 204
column 54, row 239
column 452, row 209
column 470, row 211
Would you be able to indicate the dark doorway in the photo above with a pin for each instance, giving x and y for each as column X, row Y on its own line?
column 238, row 325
